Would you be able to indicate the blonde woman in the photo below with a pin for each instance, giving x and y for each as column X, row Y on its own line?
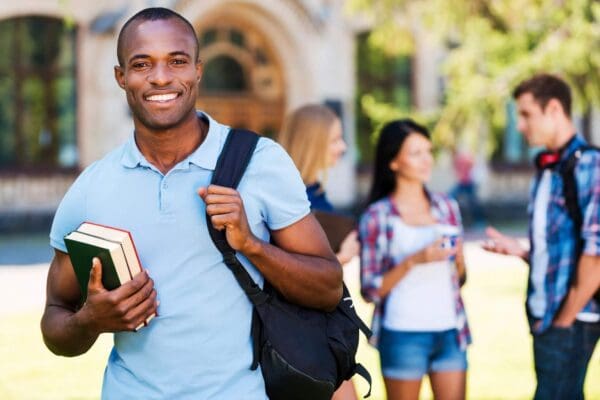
column 312, row 135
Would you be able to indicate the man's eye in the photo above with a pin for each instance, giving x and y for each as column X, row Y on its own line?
column 140, row 65
column 179, row 61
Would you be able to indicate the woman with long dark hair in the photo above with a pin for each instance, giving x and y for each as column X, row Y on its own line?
column 412, row 267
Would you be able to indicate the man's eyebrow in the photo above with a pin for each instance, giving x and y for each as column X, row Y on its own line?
column 137, row 56
column 180, row 53
column 173, row 53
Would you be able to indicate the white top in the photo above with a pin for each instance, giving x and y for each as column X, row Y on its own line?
column 539, row 259
column 423, row 299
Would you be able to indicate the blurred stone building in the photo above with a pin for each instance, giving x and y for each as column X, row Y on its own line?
column 61, row 109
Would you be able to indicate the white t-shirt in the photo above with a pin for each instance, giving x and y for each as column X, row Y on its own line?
column 423, row 299
column 539, row 259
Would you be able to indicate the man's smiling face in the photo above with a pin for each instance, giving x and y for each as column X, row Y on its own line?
column 160, row 73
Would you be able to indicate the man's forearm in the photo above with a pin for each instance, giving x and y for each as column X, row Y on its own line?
column 585, row 284
column 63, row 332
column 311, row 281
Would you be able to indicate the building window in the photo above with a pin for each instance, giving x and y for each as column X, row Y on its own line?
column 37, row 94
column 513, row 150
column 223, row 73
column 388, row 79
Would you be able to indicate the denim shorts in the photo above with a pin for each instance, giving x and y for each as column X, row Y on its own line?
column 411, row 355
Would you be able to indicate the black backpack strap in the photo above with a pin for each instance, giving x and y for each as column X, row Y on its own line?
column 362, row 371
column 231, row 165
column 571, row 194
column 347, row 308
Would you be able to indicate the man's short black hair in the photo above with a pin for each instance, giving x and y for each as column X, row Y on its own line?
column 543, row 88
column 153, row 14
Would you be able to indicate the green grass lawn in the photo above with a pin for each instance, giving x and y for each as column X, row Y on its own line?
column 500, row 361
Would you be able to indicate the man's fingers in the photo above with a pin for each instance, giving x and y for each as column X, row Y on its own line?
column 138, row 314
column 221, row 221
column 147, row 291
column 216, row 209
column 222, row 199
column 215, row 189
column 131, row 287
column 493, row 233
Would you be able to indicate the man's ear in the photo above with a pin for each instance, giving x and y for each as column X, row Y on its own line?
column 554, row 107
column 120, row 76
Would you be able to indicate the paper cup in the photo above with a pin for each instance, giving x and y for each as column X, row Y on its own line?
column 450, row 235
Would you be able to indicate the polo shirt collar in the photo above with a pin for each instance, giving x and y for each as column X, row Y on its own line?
column 205, row 156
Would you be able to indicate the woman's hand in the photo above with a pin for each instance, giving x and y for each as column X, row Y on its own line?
column 349, row 248
column 434, row 252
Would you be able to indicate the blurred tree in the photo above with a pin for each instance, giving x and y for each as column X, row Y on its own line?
column 490, row 46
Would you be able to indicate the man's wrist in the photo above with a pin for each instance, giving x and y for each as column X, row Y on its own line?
column 252, row 247
column 82, row 322
column 562, row 322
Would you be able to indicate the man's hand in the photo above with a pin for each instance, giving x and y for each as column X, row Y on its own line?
column 503, row 244
column 122, row 309
column 225, row 208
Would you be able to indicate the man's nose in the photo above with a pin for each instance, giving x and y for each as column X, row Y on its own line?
column 160, row 75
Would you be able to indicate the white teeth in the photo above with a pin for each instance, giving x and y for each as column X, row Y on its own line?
column 162, row 97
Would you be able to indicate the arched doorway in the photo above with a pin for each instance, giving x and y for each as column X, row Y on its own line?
column 242, row 85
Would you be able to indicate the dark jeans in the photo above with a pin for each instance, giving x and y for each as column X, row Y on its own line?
column 561, row 359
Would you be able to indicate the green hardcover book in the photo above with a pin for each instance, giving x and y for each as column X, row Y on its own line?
column 83, row 248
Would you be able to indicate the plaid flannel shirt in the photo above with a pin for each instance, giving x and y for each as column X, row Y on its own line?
column 560, row 239
column 375, row 234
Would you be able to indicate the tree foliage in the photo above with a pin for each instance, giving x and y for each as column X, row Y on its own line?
column 490, row 45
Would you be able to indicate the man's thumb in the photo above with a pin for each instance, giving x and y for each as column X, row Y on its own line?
column 202, row 192
column 96, row 275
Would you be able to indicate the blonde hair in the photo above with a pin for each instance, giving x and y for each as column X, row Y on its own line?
column 305, row 136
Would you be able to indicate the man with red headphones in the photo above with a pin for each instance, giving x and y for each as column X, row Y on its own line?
column 564, row 253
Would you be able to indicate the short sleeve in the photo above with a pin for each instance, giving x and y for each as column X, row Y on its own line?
column 588, row 186
column 373, row 242
column 282, row 194
column 69, row 215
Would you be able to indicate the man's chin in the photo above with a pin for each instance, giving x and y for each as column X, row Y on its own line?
column 167, row 122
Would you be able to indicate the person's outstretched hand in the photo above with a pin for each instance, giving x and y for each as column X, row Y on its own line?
column 502, row 244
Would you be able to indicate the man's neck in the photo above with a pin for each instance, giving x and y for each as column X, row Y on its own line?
column 166, row 148
column 564, row 134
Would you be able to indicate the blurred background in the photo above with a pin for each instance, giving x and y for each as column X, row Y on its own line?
column 449, row 65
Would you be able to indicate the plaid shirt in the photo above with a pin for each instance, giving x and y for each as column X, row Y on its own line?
column 560, row 240
column 375, row 235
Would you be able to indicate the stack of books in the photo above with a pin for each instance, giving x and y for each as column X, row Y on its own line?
column 113, row 246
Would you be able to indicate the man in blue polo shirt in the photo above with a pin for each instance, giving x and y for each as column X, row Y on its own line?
column 563, row 316
column 156, row 186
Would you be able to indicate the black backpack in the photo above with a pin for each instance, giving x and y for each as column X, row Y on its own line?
column 303, row 353
column 570, row 193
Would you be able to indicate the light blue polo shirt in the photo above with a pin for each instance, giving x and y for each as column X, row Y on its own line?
column 199, row 346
